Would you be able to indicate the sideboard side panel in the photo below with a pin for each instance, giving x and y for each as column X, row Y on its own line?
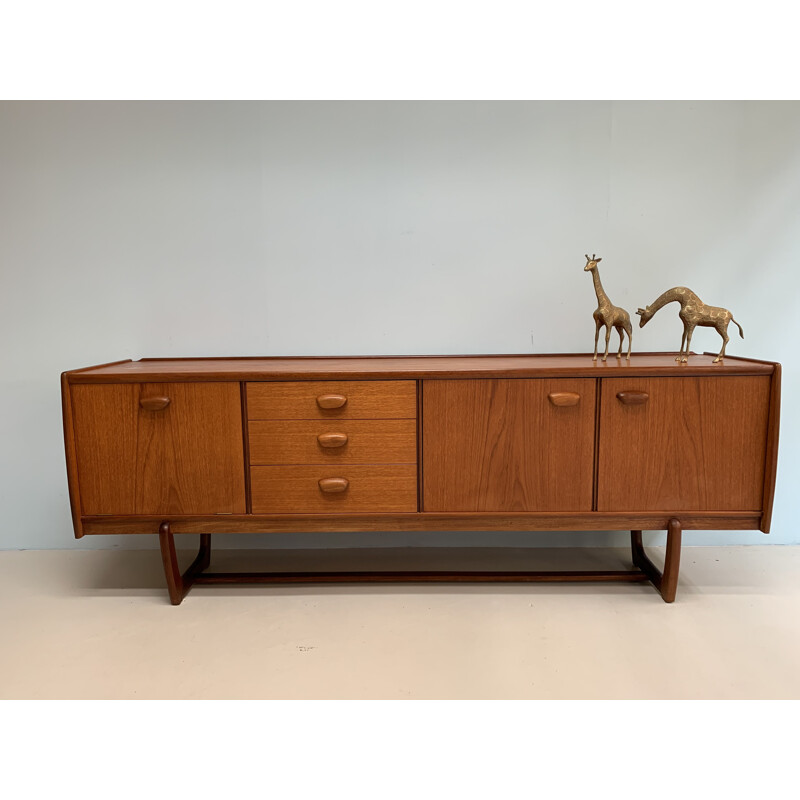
column 771, row 461
column 71, row 456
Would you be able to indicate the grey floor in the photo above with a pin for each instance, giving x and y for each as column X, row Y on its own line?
column 97, row 624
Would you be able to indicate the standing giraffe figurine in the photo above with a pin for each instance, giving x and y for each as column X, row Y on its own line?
column 693, row 312
column 607, row 313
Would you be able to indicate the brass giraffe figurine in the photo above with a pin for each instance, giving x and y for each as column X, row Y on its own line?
column 607, row 313
column 693, row 312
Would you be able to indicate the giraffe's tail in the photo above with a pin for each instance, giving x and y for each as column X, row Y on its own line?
column 741, row 332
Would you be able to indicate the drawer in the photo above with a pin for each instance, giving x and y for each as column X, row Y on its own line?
column 297, row 489
column 332, row 400
column 360, row 441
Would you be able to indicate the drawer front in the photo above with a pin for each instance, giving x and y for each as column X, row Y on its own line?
column 369, row 488
column 332, row 400
column 362, row 441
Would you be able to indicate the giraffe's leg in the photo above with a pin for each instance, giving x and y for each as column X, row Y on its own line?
column 620, row 331
column 688, row 344
column 683, row 341
column 629, row 331
column 597, row 327
column 608, row 337
column 723, row 332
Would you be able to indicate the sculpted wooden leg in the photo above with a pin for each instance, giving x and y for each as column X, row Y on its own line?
column 667, row 581
column 203, row 555
column 177, row 584
column 672, row 561
column 174, row 580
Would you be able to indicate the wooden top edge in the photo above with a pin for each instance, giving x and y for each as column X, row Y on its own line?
column 519, row 365
column 71, row 372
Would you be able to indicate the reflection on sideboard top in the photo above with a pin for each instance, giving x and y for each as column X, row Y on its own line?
column 412, row 367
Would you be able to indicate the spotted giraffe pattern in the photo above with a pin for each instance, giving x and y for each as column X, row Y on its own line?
column 607, row 313
column 694, row 312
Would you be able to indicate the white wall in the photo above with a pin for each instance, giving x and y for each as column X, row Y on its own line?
column 202, row 229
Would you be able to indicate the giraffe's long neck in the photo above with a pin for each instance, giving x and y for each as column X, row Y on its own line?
column 602, row 297
column 679, row 294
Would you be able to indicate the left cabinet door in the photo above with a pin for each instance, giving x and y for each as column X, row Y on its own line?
column 159, row 448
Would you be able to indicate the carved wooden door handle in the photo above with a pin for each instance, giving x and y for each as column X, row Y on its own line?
column 564, row 398
column 332, row 439
column 333, row 485
column 153, row 403
column 633, row 398
column 331, row 400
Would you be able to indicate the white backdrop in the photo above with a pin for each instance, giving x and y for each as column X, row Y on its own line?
column 141, row 229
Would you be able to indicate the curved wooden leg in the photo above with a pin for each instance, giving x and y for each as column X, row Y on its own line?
column 204, row 554
column 637, row 549
column 667, row 581
column 174, row 579
column 177, row 584
column 672, row 561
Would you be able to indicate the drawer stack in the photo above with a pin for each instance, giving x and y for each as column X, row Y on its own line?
column 320, row 447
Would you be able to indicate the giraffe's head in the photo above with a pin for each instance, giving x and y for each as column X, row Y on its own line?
column 591, row 263
column 645, row 314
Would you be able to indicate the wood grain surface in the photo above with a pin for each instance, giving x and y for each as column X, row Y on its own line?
column 412, row 367
column 186, row 458
column 365, row 400
column 371, row 488
column 501, row 445
column 697, row 444
column 705, row 451
column 387, row 441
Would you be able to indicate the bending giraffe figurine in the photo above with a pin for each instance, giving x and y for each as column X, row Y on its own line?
column 607, row 313
column 693, row 312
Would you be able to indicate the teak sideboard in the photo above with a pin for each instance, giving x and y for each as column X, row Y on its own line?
column 478, row 443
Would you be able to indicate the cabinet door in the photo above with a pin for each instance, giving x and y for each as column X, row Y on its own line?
column 505, row 445
column 694, row 444
column 185, row 458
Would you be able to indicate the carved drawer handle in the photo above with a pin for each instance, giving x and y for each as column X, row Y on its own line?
column 633, row 398
column 331, row 400
column 153, row 403
column 332, row 439
column 564, row 398
column 333, row 485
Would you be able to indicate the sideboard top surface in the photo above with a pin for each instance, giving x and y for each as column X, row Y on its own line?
column 412, row 367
